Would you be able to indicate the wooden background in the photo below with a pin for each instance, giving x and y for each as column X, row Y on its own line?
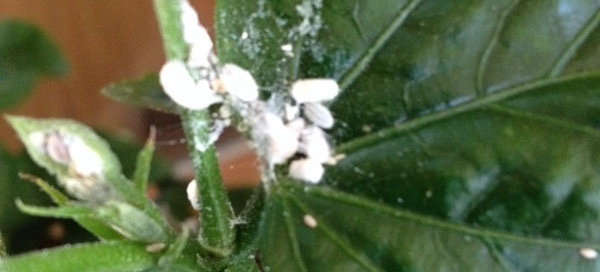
column 104, row 41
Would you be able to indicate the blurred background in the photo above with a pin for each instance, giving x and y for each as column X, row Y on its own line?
column 104, row 42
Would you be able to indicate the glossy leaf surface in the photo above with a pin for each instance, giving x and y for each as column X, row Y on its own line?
column 469, row 128
column 26, row 55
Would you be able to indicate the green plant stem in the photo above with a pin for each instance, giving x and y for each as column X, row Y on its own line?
column 216, row 233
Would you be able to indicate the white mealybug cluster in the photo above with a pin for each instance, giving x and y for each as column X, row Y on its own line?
column 84, row 175
column 288, row 128
column 192, row 194
column 70, row 151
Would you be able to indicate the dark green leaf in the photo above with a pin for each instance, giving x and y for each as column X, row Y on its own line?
column 107, row 256
column 145, row 92
column 478, row 117
column 352, row 234
column 26, row 54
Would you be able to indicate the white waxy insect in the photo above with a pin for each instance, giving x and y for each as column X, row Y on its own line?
column 288, row 49
column 314, row 90
column 238, row 82
column 193, row 32
column 283, row 141
column 314, row 144
column 309, row 221
column 153, row 248
column 318, row 114
column 307, row 170
column 57, row 148
column 84, row 160
column 297, row 126
column 192, row 194
column 291, row 112
column 179, row 85
column 588, row 253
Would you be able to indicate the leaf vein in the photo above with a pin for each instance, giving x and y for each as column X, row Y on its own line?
column 573, row 47
column 352, row 74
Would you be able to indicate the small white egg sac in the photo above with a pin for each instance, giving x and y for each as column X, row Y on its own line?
column 314, row 90
column 192, row 194
column 307, row 170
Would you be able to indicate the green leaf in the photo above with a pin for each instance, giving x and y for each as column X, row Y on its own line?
column 132, row 223
column 26, row 55
column 144, row 92
column 93, row 225
column 105, row 256
column 71, row 212
column 470, row 119
column 353, row 234
column 144, row 162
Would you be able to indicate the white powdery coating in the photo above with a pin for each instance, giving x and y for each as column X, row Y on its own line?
column 318, row 115
column 38, row 139
column 282, row 141
column 291, row 111
column 314, row 144
column 238, row 82
column 192, row 194
column 84, row 160
column 307, row 170
column 196, row 36
column 179, row 85
column 314, row 90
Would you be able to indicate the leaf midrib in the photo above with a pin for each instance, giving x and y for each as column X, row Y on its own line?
column 483, row 233
column 352, row 74
column 473, row 104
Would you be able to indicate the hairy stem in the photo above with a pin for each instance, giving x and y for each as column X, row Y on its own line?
column 216, row 233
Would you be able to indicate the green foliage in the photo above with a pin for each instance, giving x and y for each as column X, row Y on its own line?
column 26, row 55
column 469, row 130
column 106, row 256
column 144, row 92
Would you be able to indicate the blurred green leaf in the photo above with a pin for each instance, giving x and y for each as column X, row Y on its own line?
column 132, row 223
column 469, row 128
column 93, row 225
column 144, row 92
column 105, row 256
column 26, row 55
